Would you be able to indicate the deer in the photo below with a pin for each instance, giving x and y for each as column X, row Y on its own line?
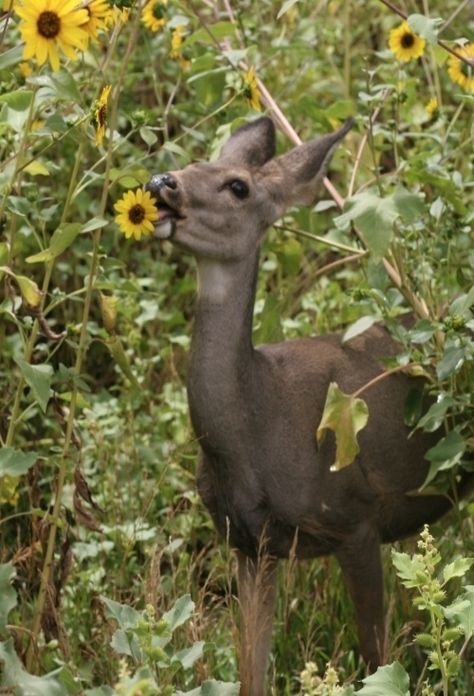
column 265, row 480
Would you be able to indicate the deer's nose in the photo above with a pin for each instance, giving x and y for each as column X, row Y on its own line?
column 159, row 181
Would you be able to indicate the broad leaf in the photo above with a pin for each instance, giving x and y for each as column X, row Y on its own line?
column 374, row 216
column 61, row 239
column 14, row 462
column 390, row 680
column 38, row 377
column 19, row 100
column 7, row 593
column 212, row 688
column 435, row 415
column 462, row 611
column 358, row 327
column 346, row 416
column 14, row 676
column 29, row 291
column 425, row 27
column 449, row 447
column 188, row 656
column 457, row 569
column 124, row 615
column 180, row 612
column 409, row 568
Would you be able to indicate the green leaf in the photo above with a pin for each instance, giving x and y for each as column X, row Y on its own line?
column 15, row 462
column 390, row 680
column 374, row 216
column 358, row 327
column 287, row 5
column 8, row 599
column 19, row 100
column 462, row 611
column 124, row 615
column 38, row 378
column 449, row 447
column 425, row 27
column 180, row 612
column 408, row 568
column 219, row 30
column 60, row 85
column 15, row 676
column 457, row 569
column 61, row 239
column 346, row 416
column 451, row 362
column 189, row 656
column 212, row 688
column 435, row 415
column 410, row 206
column 11, row 57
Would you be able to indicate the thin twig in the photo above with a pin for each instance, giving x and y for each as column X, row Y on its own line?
column 441, row 43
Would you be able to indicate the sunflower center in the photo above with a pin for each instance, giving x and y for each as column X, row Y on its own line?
column 407, row 40
column 100, row 116
column 48, row 24
column 159, row 10
column 136, row 214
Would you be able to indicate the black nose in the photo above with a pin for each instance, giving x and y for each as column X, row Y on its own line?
column 158, row 181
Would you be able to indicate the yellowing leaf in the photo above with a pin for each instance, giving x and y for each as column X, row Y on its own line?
column 37, row 168
column 29, row 291
column 346, row 416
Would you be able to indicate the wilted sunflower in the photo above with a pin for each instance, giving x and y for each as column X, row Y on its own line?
column 51, row 24
column 405, row 44
column 154, row 14
column 251, row 90
column 100, row 16
column 459, row 71
column 100, row 114
column 136, row 213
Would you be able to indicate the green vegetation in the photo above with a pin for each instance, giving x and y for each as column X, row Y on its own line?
column 112, row 580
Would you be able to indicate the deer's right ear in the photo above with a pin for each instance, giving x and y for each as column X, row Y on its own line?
column 251, row 145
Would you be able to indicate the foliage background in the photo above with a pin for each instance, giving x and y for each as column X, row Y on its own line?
column 98, row 456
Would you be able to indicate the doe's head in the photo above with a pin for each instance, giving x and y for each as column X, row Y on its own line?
column 220, row 210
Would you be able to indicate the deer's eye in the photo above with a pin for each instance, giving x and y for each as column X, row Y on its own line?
column 239, row 188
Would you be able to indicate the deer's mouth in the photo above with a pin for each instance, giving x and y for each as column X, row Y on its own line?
column 165, row 226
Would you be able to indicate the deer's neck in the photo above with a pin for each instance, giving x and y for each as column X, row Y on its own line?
column 221, row 360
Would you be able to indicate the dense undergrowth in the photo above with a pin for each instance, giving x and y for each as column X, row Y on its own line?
column 110, row 570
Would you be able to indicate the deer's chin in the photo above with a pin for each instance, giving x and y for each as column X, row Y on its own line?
column 165, row 229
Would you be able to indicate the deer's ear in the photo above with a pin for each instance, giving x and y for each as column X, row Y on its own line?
column 302, row 168
column 251, row 145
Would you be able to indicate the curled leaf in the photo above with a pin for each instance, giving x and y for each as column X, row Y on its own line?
column 346, row 416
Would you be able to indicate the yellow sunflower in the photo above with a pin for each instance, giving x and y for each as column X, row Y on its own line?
column 154, row 14
column 136, row 213
column 432, row 107
column 405, row 44
column 459, row 71
column 100, row 16
column 51, row 24
column 100, row 114
column 251, row 91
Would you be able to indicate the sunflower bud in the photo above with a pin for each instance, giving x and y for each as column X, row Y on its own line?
column 108, row 309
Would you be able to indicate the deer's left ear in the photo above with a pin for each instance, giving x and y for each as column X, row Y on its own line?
column 251, row 145
column 300, row 170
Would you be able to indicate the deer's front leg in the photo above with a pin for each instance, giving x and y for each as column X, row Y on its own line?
column 359, row 558
column 257, row 591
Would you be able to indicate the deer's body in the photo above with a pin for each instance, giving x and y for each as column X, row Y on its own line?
column 265, row 481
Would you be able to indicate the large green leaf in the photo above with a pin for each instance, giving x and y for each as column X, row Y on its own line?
column 180, row 612
column 212, row 688
column 13, row 675
column 426, row 27
column 7, row 593
column 60, row 240
column 462, row 611
column 14, row 462
column 124, row 615
column 390, row 680
column 38, row 377
column 346, row 416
